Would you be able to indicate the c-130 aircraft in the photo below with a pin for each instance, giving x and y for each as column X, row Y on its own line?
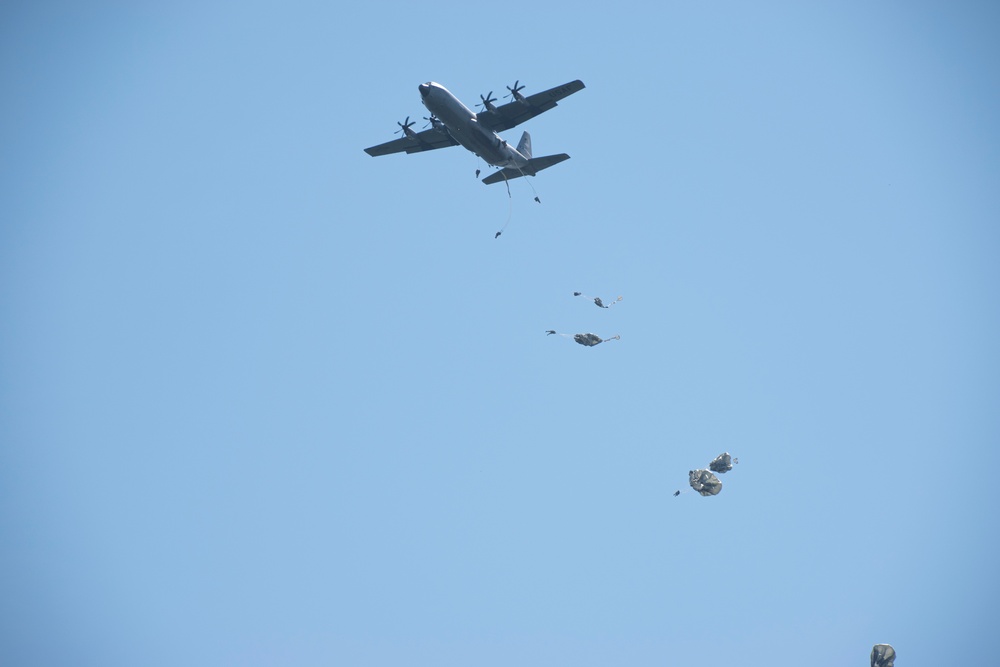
column 453, row 124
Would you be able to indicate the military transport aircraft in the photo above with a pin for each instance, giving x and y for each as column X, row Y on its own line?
column 453, row 123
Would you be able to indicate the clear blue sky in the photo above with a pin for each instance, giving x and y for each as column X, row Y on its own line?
column 265, row 400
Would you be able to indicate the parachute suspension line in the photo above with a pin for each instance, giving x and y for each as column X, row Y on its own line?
column 510, row 211
column 510, row 208
column 597, row 300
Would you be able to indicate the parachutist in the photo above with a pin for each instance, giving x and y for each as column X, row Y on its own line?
column 549, row 332
column 677, row 493
column 477, row 173
column 538, row 200
column 498, row 235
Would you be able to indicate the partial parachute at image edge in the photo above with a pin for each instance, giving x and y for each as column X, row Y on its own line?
column 883, row 655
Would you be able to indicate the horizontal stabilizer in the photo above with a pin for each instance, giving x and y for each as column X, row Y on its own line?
column 530, row 169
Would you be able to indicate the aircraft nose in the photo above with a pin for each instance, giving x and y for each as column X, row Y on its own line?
column 425, row 88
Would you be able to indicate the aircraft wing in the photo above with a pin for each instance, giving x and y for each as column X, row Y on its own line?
column 516, row 112
column 427, row 140
column 534, row 166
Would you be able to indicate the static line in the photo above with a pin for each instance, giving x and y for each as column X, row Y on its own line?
column 510, row 208
column 530, row 185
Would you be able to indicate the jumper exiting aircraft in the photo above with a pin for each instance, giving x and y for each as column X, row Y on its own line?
column 453, row 123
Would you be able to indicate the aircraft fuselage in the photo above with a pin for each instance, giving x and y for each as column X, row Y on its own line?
column 466, row 130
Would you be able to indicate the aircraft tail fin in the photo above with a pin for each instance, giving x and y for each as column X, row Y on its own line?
column 534, row 166
column 524, row 145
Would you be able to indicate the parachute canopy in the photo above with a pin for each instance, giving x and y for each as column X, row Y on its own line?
column 883, row 655
column 704, row 482
column 722, row 463
column 588, row 339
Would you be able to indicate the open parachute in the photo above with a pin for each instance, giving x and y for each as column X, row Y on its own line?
column 706, row 483
column 588, row 339
column 722, row 463
column 883, row 655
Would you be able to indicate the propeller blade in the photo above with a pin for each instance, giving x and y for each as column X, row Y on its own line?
column 487, row 101
column 404, row 127
column 515, row 92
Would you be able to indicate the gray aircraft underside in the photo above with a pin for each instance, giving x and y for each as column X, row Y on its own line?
column 454, row 124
